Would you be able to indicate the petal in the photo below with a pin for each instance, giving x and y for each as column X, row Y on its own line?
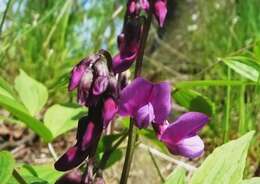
column 101, row 68
column 73, row 177
column 144, row 116
column 185, row 126
column 71, row 159
column 160, row 98
column 189, row 147
column 76, row 74
column 100, row 85
column 144, row 4
column 121, row 64
column 134, row 96
column 84, row 86
column 160, row 7
column 109, row 110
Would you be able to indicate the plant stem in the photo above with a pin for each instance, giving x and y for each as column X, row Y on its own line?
column 156, row 167
column 227, row 111
column 132, row 130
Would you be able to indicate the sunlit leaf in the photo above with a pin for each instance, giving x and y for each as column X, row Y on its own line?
column 32, row 93
column 60, row 119
column 19, row 111
column 244, row 66
column 7, row 164
column 226, row 164
column 176, row 177
column 251, row 181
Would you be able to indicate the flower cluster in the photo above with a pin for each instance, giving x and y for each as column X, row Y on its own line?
column 98, row 80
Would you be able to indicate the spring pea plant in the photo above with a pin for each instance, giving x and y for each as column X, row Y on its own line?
column 99, row 81
column 106, row 93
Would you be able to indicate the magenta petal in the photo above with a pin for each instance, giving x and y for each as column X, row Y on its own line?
column 189, row 147
column 134, row 96
column 160, row 98
column 100, row 85
column 144, row 4
column 186, row 125
column 109, row 110
column 76, row 74
column 122, row 63
column 71, row 159
column 160, row 11
column 144, row 116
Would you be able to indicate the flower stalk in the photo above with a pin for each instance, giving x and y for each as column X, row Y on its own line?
column 132, row 133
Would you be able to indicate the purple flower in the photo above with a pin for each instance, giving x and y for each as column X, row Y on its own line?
column 110, row 109
column 73, row 177
column 88, row 134
column 160, row 11
column 145, row 102
column 159, row 8
column 128, row 43
column 91, row 77
column 181, row 136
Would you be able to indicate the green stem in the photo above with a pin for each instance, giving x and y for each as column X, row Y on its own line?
column 132, row 135
column 227, row 113
column 242, row 113
column 156, row 167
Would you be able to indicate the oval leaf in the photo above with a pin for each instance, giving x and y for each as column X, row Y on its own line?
column 19, row 111
column 226, row 164
column 60, row 119
column 194, row 101
column 176, row 177
column 251, row 181
column 244, row 66
column 7, row 164
column 32, row 93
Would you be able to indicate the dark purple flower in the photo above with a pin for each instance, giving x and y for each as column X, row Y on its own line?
column 91, row 77
column 73, row 177
column 159, row 8
column 181, row 136
column 145, row 102
column 89, row 132
column 128, row 43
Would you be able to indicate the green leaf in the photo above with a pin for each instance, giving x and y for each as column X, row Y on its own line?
column 7, row 164
column 176, row 177
column 32, row 93
column 208, row 83
column 151, row 136
column 116, row 156
column 22, row 114
column 244, row 66
column 6, row 89
column 226, row 164
column 37, row 174
column 251, row 181
column 60, row 119
column 194, row 101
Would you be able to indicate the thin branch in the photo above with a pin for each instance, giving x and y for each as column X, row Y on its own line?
column 156, row 167
column 52, row 151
